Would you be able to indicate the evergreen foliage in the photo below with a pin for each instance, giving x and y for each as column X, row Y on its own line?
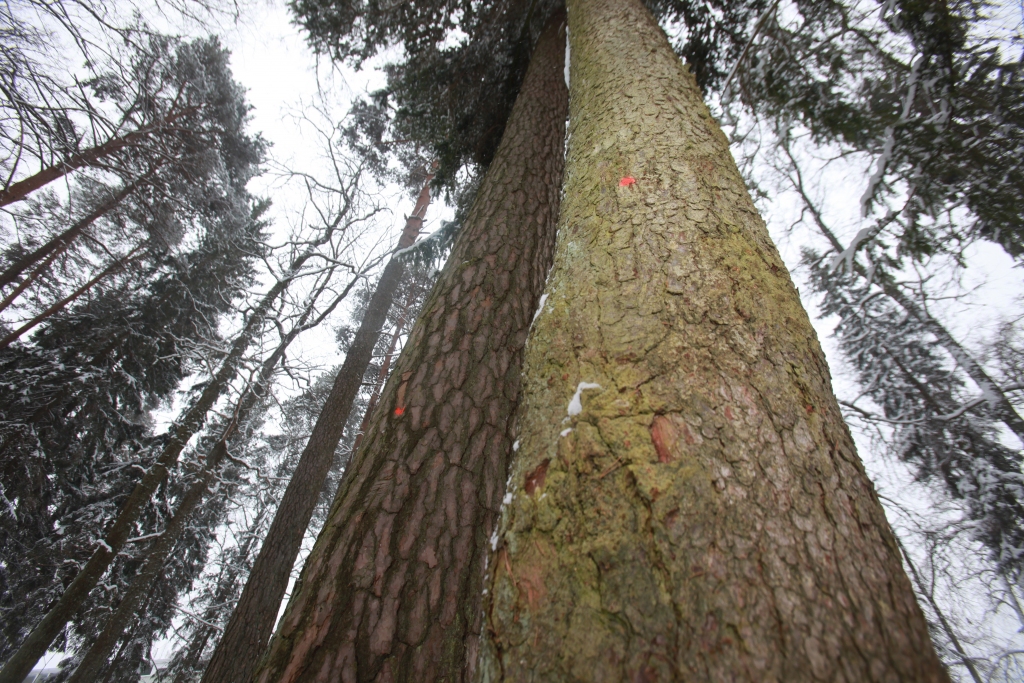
column 925, row 403
column 76, row 426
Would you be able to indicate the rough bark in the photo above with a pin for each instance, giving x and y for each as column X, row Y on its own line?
column 382, row 375
column 391, row 591
column 686, row 503
column 252, row 622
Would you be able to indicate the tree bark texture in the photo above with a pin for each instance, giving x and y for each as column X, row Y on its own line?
column 391, row 590
column 63, row 240
column 252, row 622
column 686, row 502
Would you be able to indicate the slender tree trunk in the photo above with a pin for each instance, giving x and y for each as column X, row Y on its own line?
column 252, row 623
column 385, row 367
column 57, row 306
column 391, row 590
column 87, row 158
column 62, row 240
column 687, row 503
column 32, row 277
column 996, row 398
column 188, row 424
column 947, row 628
column 187, row 663
column 119, row 622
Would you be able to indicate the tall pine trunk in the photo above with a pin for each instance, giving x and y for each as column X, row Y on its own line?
column 687, row 503
column 391, row 591
column 252, row 621
column 63, row 240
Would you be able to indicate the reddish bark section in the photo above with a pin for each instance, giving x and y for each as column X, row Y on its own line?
column 392, row 588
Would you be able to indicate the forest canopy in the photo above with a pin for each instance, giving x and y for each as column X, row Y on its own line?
column 208, row 339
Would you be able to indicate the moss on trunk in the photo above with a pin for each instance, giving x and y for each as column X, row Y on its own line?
column 686, row 503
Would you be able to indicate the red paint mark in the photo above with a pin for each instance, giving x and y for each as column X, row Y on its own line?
column 399, row 411
column 535, row 479
column 627, row 181
column 662, row 435
column 809, row 409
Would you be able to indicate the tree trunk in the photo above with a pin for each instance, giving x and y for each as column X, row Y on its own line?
column 61, row 241
column 27, row 281
column 994, row 395
column 385, row 368
column 177, row 436
column 391, row 590
column 252, row 622
column 119, row 621
column 87, row 158
column 687, row 503
column 57, row 306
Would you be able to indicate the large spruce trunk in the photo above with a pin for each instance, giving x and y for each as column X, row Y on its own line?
column 392, row 589
column 687, row 503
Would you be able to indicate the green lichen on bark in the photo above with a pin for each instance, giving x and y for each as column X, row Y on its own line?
column 705, row 517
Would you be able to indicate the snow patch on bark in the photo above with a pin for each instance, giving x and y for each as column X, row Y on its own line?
column 576, row 405
column 540, row 308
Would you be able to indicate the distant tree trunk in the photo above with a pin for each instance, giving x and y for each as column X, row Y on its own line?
column 996, row 398
column 61, row 241
column 187, row 662
column 385, row 368
column 252, row 622
column 687, row 503
column 177, row 436
column 57, row 306
column 117, row 625
column 391, row 590
column 84, row 159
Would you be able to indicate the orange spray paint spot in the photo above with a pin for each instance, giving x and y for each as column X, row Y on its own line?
column 399, row 411
column 627, row 181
